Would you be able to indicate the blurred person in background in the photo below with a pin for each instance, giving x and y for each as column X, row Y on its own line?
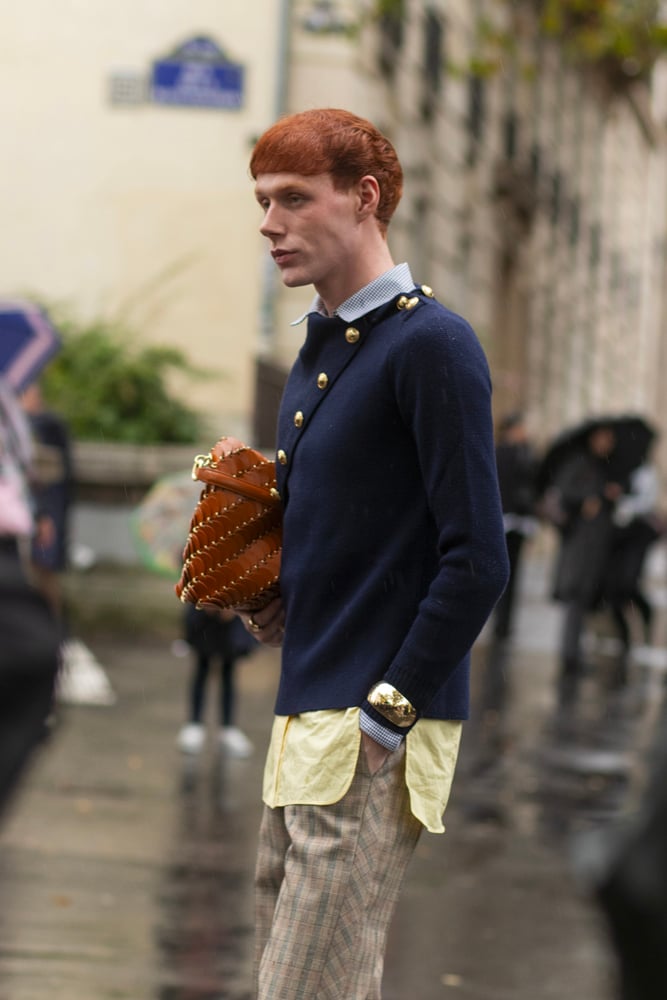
column 81, row 679
column 28, row 629
column 516, row 462
column 637, row 526
column 216, row 639
column 517, row 466
column 587, row 498
column 53, row 491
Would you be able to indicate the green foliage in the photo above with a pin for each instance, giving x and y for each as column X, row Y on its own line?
column 626, row 36
column 390, row 8
column 110, row 390
column 622, row 37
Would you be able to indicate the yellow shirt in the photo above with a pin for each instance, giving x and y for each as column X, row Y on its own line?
column 312, row 758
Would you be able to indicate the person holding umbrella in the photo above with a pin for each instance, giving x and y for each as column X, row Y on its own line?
column 587, row 496
column 581, row 479
column 29, row 649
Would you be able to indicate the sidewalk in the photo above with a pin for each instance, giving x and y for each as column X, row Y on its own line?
column 126, row 868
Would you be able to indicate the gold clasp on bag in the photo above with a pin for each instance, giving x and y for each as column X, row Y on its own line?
column 202, row 462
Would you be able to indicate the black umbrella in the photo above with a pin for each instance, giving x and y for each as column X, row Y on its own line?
column 633, row 434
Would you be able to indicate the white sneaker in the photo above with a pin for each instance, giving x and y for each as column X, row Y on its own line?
column 81, row 679
column 235, row 742
column 191, row 738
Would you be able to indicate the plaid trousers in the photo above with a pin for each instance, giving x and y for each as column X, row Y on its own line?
column 327, row 881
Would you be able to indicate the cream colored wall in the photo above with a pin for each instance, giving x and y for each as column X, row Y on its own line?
column 98, row 201
column 325, row 70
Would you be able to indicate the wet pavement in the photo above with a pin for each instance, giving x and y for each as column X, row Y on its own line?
column 126, row 867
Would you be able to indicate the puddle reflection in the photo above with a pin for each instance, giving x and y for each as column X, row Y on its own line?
column 205, row 936
column 564, row 770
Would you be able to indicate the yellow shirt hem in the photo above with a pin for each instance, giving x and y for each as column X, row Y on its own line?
column 312, row 758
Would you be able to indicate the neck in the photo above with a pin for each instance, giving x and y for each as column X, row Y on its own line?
column 357, row 271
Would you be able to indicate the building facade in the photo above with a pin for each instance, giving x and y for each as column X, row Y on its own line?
column 535, row 198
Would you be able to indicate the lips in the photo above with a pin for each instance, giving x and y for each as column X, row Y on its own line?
column 282, row 256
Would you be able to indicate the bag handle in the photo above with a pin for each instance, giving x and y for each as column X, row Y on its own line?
column 205, row 471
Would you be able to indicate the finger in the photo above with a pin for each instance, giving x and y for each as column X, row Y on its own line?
column 253, row 625
column 272, row 636
column 272, row 614
column 273, row 632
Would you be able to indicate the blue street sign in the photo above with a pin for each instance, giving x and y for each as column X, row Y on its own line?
column 197, row 74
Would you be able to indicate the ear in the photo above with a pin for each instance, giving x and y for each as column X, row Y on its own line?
column 368, row 196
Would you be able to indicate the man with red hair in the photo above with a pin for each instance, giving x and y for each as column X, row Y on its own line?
column 393, row 558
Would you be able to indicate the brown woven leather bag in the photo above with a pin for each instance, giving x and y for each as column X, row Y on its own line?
column 232, row 555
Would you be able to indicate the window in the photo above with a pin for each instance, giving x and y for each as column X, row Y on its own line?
column 556, row 198
column 535, row 161
column 432, row 59
column 575, row 212
column 476, row 114
column 391, row 27
column 510, row 134
column 596, row 245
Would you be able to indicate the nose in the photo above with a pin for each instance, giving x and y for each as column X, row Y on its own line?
column 271, row 224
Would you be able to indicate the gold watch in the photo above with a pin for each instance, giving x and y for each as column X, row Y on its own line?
column 392, row 704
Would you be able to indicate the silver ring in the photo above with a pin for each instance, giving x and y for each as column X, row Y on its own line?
column 253, row 626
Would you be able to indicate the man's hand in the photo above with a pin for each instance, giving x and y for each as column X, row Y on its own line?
column 376, row 754
column 267, row 625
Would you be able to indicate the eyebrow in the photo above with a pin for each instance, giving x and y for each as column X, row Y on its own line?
column 296, row 184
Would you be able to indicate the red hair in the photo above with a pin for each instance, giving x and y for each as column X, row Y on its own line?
column 336, row 142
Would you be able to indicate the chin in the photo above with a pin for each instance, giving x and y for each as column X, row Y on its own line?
column 295, row 280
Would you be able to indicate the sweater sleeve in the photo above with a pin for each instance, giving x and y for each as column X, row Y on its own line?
column 442, row 387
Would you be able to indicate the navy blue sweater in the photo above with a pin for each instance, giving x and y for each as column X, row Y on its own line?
column 393, row 544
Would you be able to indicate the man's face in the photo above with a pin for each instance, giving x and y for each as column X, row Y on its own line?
column 602, row 441
column 312, row 227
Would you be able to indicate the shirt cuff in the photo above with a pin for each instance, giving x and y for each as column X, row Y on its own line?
column 387, row 738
